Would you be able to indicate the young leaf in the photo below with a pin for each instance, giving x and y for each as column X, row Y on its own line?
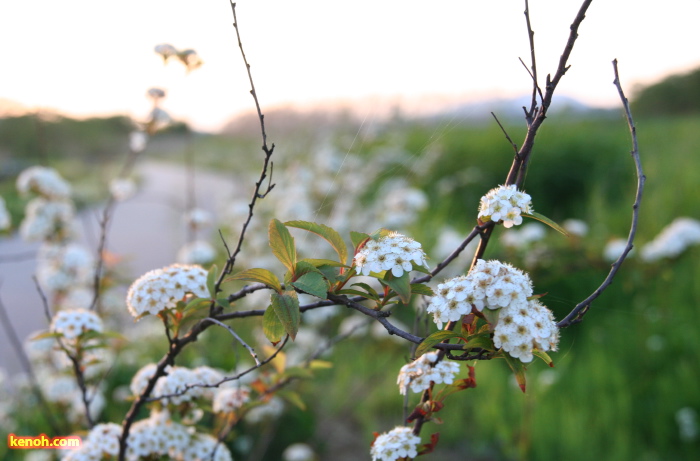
column 263, row 276
column 547, row 221
column 491, row 315
column 286, row 306
column 482, row 341
column 322, row 262
column 400, row 285
column 435, row 338
column 518, row 368
column 282, row 244
column 545, row 357
column 421, row 289
column 293, row 398
column 313, row 283
column 211, row 280
column 357, row 238
column 328, row 233
column 272, row 326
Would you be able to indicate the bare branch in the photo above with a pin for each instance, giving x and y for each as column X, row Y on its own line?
column 576, row 315
column 238, row 338
column 515, row 146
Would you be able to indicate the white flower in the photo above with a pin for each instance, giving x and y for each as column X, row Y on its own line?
column 298, row 452
column 141, row 378
column 5, row 219
column 61, row 267
column 138, row 141
column 162, row 288
column 122, row 189
column 47, row 219
column 43, row 181
column 73, row 323
column 394, row 252
column 267, row 411
column 522, row 329
column 505, row 203
column 198, row 218
column 166, row 50
column 202, row 446
column 398, row 443
column 230, row 399
column 174, row 385
column 575, row 227
column 105, row 438
column 672, row 240
column 422, row 371
column 196, row 252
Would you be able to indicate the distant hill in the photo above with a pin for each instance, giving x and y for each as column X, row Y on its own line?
column 677, row 94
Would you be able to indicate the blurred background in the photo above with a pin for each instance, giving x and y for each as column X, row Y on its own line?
column 396, row 135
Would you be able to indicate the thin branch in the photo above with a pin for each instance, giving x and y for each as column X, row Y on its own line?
column 515, row 146
column 576, row 315
column 238, row 338
column 535, row 85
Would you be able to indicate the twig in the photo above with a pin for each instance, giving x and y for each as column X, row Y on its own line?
column 238, row 338
column 515, row 146
column 535, row 85
column 576, row 315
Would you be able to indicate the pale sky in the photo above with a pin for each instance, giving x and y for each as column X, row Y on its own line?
column 85, row 57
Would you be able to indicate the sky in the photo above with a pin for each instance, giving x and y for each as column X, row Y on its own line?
column 93, row 57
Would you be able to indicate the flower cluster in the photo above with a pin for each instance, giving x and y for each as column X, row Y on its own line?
column 228, row 400
column 491, row 284
column 161, row 289
column 523, row 323
column 394, row 252
column 395, row 444
column 43, row 181
column 419, row 373
column 505, row 203
column 673, row 240
column 180, row 384
column 64, row 267
column 71, row 323
column 47, row 220
column 520, row 330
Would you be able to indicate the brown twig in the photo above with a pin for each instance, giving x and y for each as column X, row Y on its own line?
column 576, row 315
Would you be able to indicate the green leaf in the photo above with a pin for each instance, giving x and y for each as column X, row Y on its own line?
column 286, row 306
column 304, row 267
column 518, row 369
column 351, row 292
column 358, row 238
column 330, row 273
column 327, row 233
column 211, row 280
column 322, row 262
column 435, row 338
column 547, row 221
column 544, row 356
column 367, row 288
column 491, row 315
column 400, row 285
column 263, row 276
column 293, row 398
column 272, row 326
column 320, row 364
column 282, row 244
column 313, row 283
column 297, row 372
column 195, row 304
column 223, row 302
column 481, row 341
column 45, row 334
column 421, row 289
column 379, row 233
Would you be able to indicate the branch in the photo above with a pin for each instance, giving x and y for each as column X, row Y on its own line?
column 576, row 315
column 238, row 338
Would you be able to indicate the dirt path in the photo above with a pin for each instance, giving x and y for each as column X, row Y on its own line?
column 147, row 230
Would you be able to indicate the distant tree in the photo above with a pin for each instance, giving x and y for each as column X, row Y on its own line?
column 677, row 94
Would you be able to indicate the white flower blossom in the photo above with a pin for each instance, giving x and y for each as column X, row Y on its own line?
column 395, row 444
column 47, row 219
column 162, row 288
column 5, row 218
column 43, row 181
column 421, row 372
column 73, row 323
column 230, row 399
column 505, row 203
column 394, row 252
column 673, row 240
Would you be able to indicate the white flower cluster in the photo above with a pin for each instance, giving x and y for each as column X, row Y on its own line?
column 64, row 267
column 523, row 324
column 394, row 252
column 673, row 240
column 47, row 219
column 196, row 252
column 102, row 441
column 71, row 323
column 5, row 219
column 174, row 385
column 122, row 188
column 162, row 288
column 395, row 444
column 505, row 203
column 520, row 330
column 43, row 181
column 419, row 373
column 491, row 284
column 228, row 400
